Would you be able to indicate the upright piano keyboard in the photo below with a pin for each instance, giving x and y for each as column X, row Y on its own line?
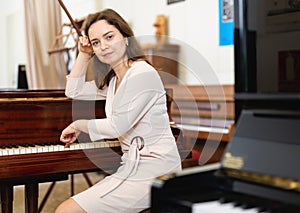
column 259, row 171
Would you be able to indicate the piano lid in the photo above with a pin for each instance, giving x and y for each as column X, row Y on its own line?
column 265, row 143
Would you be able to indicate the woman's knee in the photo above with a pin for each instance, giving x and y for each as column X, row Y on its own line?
column 69, row 206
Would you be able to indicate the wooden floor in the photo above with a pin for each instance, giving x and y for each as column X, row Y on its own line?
column 60, row 192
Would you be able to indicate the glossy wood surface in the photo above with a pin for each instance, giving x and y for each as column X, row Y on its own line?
column 37, row 117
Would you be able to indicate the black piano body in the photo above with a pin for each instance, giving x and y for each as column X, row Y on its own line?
column 259, row 170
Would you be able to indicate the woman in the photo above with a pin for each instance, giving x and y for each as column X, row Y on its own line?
column 136, row 114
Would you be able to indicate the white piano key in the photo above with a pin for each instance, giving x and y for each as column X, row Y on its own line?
column 51, row 148
column 44, row 148
column 34, row 149
column 97, row 145
column 38, row 149
column 217, row 207
column 23, row 150
column 17, row 151
column 4, row 152
column 10, row 151
column 56, row 148
column 61, row 148
column 72, row 147
column 88, row 145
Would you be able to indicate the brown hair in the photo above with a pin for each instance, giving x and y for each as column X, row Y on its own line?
column 134, row 51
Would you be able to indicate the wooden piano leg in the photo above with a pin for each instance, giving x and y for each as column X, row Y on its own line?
column 7, row 196
column 31, row 197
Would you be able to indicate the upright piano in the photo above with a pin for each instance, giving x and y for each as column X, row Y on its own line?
column 258, row 172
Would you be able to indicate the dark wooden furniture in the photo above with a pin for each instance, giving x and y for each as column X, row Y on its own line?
column 36, row 118
column 165, row 59
column 205, row 113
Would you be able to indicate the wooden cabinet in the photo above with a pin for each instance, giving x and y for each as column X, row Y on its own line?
column 165, row 59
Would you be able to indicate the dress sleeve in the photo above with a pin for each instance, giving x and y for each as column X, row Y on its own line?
column 78, row 88
column 135, row 97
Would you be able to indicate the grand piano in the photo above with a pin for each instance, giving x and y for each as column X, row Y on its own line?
column 30, row 151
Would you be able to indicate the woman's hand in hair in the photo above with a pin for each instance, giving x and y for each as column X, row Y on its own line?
column 85, row 45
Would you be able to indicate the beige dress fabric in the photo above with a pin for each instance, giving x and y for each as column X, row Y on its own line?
column 136, row 114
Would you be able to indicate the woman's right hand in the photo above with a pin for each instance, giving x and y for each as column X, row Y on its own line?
column 85, row 45
column 69, row 135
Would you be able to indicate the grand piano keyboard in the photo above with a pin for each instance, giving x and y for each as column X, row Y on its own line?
column 32, row 148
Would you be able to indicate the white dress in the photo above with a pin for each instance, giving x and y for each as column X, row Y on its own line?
column 138, row 108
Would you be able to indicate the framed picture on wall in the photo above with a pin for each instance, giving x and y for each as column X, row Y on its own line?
column 226, row 25
column 173, row 1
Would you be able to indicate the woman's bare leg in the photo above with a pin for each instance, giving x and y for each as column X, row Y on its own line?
column 69, row 206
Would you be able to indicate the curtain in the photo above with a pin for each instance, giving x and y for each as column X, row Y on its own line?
column 42, row 24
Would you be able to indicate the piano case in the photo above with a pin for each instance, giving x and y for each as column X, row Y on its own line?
column 259, row 168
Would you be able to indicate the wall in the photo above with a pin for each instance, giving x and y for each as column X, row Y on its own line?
column 193, row 24
column 80, row 8
column 12, row 52
column 3, row 56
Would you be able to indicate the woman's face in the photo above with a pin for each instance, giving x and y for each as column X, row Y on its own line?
column 108, row 43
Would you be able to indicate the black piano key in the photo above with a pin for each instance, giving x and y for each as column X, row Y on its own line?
column 8, row 146
column 224, row 200
column 247, row 206
column 60, row 143
column 237, row 203
column 241, row 201
column 54, row 143
column 228, row 198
